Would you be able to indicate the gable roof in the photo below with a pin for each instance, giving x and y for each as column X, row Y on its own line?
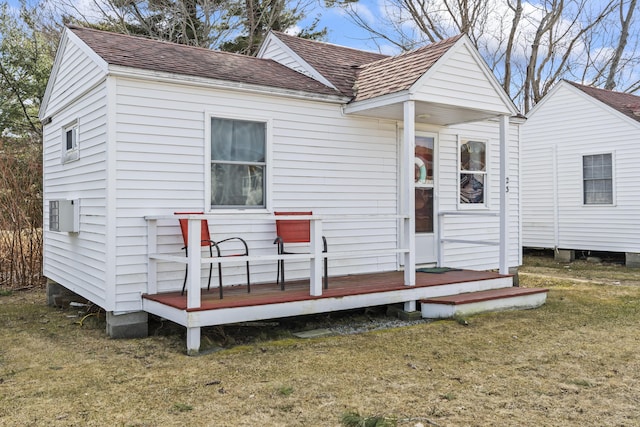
column 338, row 64
column 153, row 55
column 625, row 103
column 398, row 73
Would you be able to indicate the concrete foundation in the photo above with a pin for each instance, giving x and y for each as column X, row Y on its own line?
column 128, row 325
column 400, row 313
column 564, row 255
column 632, row 260
column 59, row 296
column 516, row 277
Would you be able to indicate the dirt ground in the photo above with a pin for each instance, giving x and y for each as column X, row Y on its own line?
column 573, row 362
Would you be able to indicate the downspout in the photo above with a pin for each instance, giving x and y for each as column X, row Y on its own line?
column 556, row 202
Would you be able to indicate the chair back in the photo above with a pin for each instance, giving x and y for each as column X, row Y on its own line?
column 184, row 227
column 294, row 231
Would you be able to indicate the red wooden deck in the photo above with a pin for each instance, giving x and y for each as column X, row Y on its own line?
column 270, row 293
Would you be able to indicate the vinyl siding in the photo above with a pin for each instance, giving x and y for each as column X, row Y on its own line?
column 459, row 80
column 474, row 226
column 320, row 161
column 77, row 260
column 587, row 127
column 75, row 76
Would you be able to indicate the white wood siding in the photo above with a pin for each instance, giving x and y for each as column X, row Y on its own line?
column 76, row 75
column 459, row 80
column 475, row 226
column 275, row 52
column 321, row 161
column 576, row 125
column 77, row 260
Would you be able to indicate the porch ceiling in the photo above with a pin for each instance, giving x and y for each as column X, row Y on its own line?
column 427, row 113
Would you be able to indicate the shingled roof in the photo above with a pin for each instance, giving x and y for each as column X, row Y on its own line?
column 398, row 73
column 153, row 55
column 338, row 64
column 625, row 103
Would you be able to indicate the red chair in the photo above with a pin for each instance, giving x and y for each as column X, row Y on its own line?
column 295, row 231
column 205, row 241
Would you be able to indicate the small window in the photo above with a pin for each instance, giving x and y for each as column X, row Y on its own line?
column 54, row 215
column 597, row 176
column 473, row 172
column 238, row 163
column 70, row 138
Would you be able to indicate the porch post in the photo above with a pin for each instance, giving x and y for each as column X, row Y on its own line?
column 408, row 201
column 317, row 259
column 504, row 195
column 194, row 263
column 152, row 248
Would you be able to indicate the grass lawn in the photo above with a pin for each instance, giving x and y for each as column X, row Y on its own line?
column 573, row 362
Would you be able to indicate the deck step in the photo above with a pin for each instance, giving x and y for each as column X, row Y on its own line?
column 511, row 298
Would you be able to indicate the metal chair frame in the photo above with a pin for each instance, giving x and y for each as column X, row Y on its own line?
column 295, row 231
column 205, row 240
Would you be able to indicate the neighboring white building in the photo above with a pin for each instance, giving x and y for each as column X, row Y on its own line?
column 580, row 179
column 129, row 125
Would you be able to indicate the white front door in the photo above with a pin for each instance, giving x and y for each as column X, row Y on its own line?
column 426, row 250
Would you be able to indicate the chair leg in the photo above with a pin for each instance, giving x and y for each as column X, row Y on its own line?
column 186, row 273
column 248, row 279
column 282, row 275
column 210, row 269
column 184, row 283
column 326, row 274
column 220, row 278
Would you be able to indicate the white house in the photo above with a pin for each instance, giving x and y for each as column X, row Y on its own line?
column 406, row 160
column 579, row 172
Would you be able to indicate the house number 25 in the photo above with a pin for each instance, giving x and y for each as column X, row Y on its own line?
column 506, row 186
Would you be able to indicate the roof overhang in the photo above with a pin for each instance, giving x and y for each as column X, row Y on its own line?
column 164, row 77
column 391, row 107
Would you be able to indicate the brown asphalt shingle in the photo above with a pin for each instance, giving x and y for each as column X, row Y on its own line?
column 338, row 64
column 138, row 52
column 398, row 73
column 626, row 103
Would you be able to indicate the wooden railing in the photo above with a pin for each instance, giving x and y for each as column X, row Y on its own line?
column 194, row 260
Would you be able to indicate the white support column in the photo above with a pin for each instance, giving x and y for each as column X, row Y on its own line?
column 504, row 195
column 408, row 188
column 193, row 341
column 152, row 248
column 316, row 269
column 194, row 263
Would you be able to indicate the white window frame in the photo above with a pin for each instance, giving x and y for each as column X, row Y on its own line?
column 268, row 175
column 73, row 153
column 613, row 181
column 473, row 206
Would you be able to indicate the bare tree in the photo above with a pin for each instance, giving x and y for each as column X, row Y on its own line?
column 529, row 45
column 625, row 20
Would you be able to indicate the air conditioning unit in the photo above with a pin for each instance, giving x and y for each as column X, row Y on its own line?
column 64, row 215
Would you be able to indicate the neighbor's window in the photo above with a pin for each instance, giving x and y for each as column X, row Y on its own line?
column 597, row 178
column 473, row 172
column 238, row 163
column 70, row 136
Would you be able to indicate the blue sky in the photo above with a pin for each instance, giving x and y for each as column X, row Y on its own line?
column 341, row 30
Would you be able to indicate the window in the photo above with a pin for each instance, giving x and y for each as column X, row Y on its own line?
column 238, row 163
column 54, row 215
column 597, row 175
column 70, row 136
column 473, row 172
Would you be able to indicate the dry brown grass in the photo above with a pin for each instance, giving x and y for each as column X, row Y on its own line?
column 572, row 362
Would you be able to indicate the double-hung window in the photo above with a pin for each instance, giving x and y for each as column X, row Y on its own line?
column 472, row 156
column 597, row 179
column 238, row 163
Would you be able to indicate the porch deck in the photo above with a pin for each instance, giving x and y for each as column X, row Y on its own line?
column 267, row 301
column 298, row 290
